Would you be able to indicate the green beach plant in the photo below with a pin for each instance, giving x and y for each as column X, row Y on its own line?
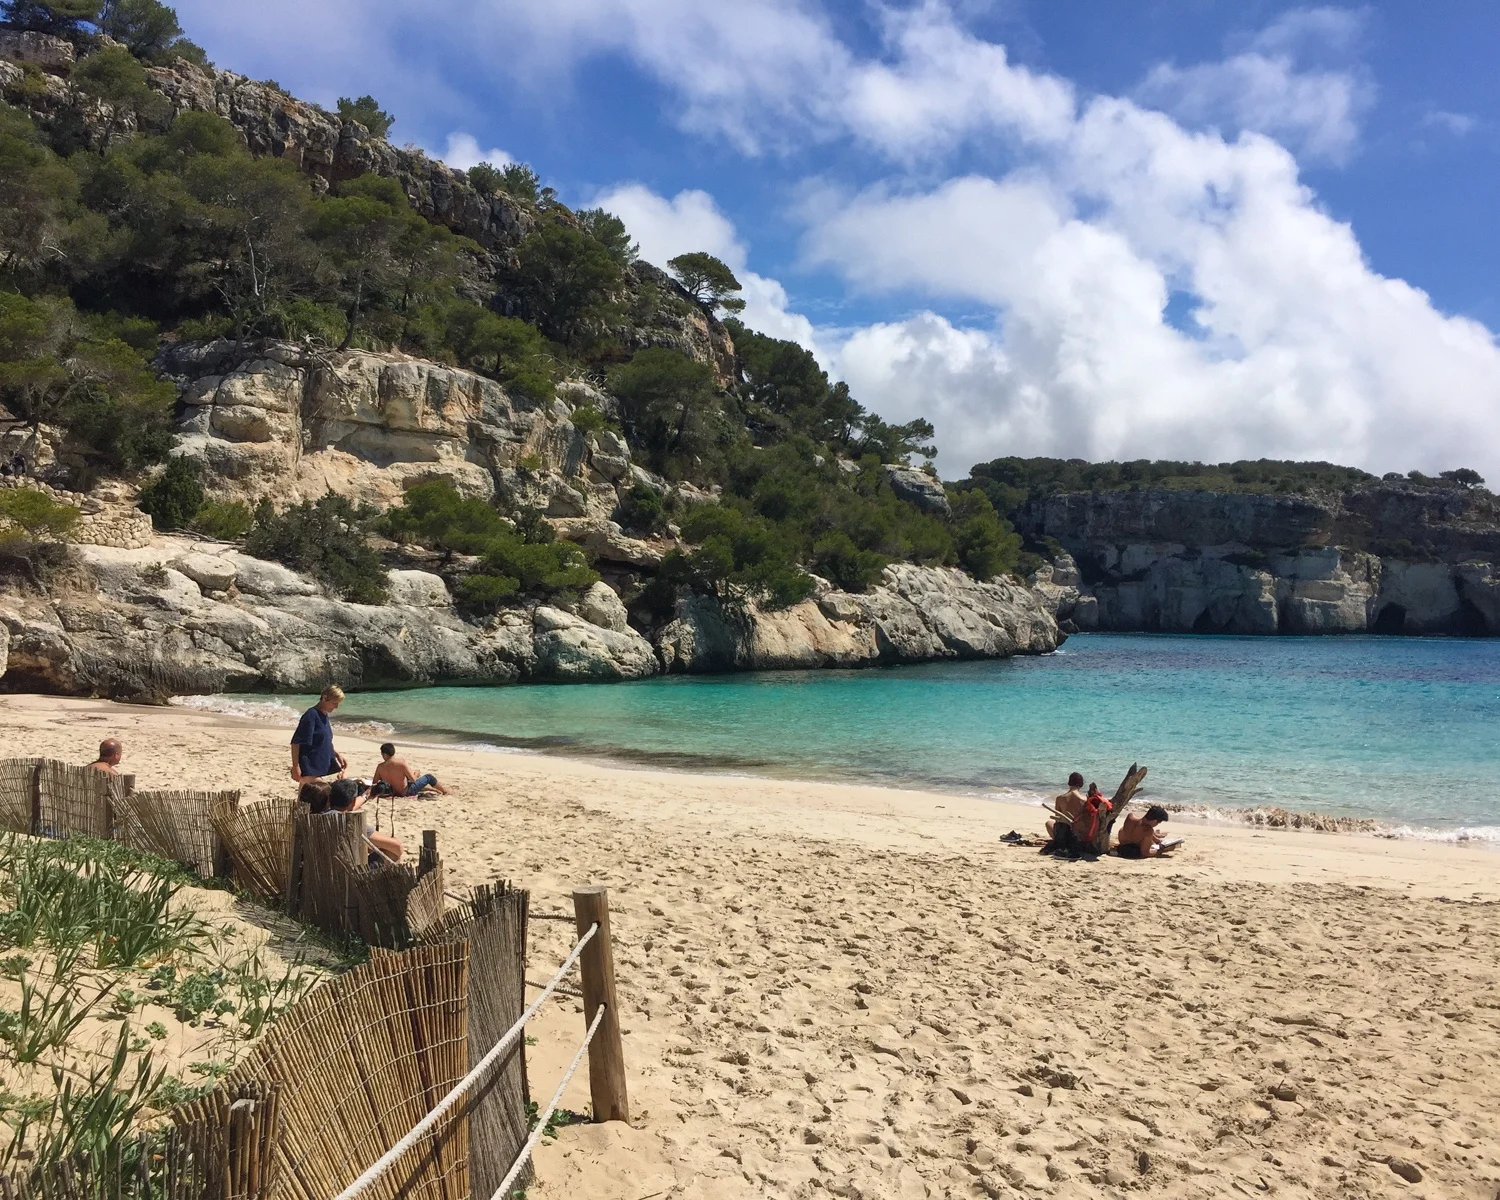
column 48, row 1015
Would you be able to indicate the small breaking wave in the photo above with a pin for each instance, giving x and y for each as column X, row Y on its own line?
column 1274, row 817
column 269, row 712
column 274, row 712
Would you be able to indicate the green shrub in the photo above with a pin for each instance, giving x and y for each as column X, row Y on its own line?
column 327, row 540
column 986, row 545
column 838, row 559
column 36, row 515
column 481, row 595
column 588, row 419
column 738, row 558
column 642, row 510
column 226, row 520
column 367, row 111
column 523, row 557
column 174, row 497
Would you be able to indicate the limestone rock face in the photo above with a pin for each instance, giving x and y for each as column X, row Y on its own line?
column 52, row 54
column 602, row 607
column 572, row 649
column 1326, row 590
column 147, row 629
column 1388, row 558
column 602, row 539
column 418, row 589
column 916, row 615
column 211, row 572
column 4, row 649
column 1417, row 598
column 917, row 487
column 280, row 421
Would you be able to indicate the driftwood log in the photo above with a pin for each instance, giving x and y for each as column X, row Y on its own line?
column 1128, row 788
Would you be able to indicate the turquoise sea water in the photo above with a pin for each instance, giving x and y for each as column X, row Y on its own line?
column 1403, row 730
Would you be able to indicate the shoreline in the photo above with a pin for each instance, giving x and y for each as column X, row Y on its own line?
column 275, row 713
column 902, row 819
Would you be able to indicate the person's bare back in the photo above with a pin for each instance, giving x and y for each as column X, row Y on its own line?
column 395, row 774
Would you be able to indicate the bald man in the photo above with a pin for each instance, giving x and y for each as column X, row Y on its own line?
column 111, row 751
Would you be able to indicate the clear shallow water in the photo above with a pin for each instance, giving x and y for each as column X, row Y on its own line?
column 1406, row 731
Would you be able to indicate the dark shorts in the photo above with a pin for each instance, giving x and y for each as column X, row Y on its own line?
column 1128, row 850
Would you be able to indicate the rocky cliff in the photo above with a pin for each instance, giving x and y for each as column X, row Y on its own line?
column 151, row 616
column 131, row 613
column 1390, row 558
column 183, row 616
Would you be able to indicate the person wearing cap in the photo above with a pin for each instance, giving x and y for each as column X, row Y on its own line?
column 313, row 755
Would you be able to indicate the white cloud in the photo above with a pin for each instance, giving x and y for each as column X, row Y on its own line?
column 1458, row 124
column 1265, row 88
column 1298, row 349
column 463, row 152
column 691, row 221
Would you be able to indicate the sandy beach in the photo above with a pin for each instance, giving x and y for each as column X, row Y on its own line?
column 863, row 992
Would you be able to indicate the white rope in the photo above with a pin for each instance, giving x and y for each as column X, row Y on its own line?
column 502, row 1192
column 383, row 1163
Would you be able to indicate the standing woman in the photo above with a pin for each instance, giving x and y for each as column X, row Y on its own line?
column 313, row 755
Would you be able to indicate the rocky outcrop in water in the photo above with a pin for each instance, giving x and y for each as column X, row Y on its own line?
column 186, row 617
column 191, row 617
column 1387, row 559
column 916, row 614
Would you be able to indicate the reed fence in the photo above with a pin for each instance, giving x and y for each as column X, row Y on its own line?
column 361, row 1060
column 494, row 924
column 257, row 838
column 18, row 794
column 177, row 825
column 220, row 1148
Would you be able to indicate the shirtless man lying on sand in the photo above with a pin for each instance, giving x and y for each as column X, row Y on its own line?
column 1140, row 837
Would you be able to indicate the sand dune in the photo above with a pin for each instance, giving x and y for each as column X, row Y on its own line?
column 862, row 993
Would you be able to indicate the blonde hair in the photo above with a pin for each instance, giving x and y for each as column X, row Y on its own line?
column 333, row 692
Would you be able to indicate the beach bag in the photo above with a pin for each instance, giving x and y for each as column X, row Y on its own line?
column 1086, row 823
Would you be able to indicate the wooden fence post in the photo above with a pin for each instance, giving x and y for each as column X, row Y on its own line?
column 428, row 858
column 597, row 966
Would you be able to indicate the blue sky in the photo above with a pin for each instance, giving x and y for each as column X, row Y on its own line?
column 1171, row 228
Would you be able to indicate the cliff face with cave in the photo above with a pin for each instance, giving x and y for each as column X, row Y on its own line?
column 1391, row 558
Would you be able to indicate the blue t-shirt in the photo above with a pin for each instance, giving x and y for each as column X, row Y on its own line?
column 315, row 736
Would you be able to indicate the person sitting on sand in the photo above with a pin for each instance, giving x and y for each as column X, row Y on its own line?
column 111, row 751
column 398, row 779
column 1141, row 838
column 348, row 795
column 1068, row 804
column 313, row 755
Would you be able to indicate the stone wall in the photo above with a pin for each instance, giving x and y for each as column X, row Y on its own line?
column 101, row 523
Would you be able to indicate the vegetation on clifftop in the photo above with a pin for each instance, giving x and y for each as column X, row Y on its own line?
column 161, row 227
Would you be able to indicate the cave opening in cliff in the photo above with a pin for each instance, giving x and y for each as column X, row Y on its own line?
column 1469, row 621
column 1391, row 619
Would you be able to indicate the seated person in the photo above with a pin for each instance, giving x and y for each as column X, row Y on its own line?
column 1140, row 836
column 111, row 751
column 347, row 795
column 398, row 779
column 315, row 794
column 1069, row 803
